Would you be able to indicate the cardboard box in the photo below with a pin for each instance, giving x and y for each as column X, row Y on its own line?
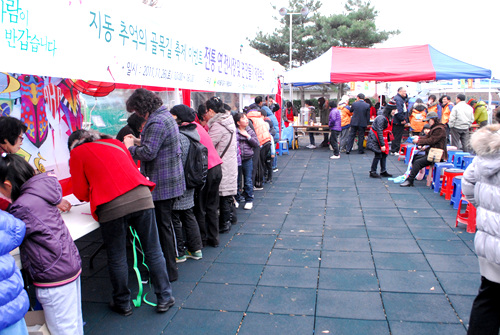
column 35, row 321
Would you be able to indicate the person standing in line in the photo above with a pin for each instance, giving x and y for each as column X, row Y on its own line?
column 247, row 140
column 206, row 199
column 399, row 121
column 360, row 117
column 334, row 123
column 223, row 134
column 48, row 253
column 103, row 172
column 481, row 186
column 345, row 116
column 187, row 231
column 461, row 118
column 160, row 155
column 135, row 124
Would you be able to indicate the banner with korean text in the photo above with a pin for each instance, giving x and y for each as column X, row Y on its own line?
column 125, row 42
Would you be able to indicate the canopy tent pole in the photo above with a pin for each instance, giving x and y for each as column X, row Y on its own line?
column 490, row 108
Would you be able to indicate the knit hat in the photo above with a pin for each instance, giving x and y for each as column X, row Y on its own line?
column 183, row 113
column 344, row 100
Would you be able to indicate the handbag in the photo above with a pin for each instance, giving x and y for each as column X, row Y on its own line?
column 435, row 155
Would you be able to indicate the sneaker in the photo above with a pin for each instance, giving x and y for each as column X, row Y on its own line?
column 311, row 146
column 275, row 170
column 236, row 204
column 248, row 205
column 180, row 259
column 194, row 255
column 255, row 188
column 335, row 157
column 386, row 174
column 374, row 175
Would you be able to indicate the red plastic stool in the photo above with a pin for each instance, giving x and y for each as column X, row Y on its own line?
column 468, row 217
column 447, row 183
column 402, row 150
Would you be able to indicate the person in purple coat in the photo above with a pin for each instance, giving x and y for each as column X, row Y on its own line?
column 247, row 141
column 335, row 124
column 48, row 253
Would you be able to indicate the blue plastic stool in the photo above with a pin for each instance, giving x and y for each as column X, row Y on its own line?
column 436, row 175
column 457, row 192
column 466, row 160
column 451, row 153
column 457, row 158
column 283, row 147
column 409, row 150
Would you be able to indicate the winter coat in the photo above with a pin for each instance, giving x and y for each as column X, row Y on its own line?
column 435, row 107
column 435, row 139
column 160, row 155
column 324, row 114
column 417, row 120
column 481, row 186
column 360, row 113
column 48, row 252
column 14, row 302
column 274, row 120
column 480, row 112
column 101, row 173
column 222, row 131
column 461, row 116
column 247, row 145
column 378, row 126
column 260, row 127
column 345, row 115
column 186, row 200
column 335, row 120
column 402, row 114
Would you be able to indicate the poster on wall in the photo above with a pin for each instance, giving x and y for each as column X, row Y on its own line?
column 124, row 42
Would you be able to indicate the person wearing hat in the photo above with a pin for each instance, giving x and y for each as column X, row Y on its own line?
column 435, row 139
column 187, row 231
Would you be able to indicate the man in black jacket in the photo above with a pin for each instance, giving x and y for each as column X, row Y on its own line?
column 399, row 120
column 360, row 117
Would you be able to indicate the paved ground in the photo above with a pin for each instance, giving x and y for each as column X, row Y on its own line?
column 325, row 250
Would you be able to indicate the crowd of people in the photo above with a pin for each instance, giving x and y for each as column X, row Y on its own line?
column 195, row 169
column 176, row 208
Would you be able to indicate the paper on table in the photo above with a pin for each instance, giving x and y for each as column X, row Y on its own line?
column 73, row 200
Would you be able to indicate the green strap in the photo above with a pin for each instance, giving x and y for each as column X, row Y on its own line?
column 137, row 301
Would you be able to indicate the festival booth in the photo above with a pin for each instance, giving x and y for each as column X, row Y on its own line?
column 412, row 63
column 63, row 63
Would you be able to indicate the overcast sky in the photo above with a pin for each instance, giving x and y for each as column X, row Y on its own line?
column 466, row 30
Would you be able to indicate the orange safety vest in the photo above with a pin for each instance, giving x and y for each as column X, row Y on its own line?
column 345, row 116
column 445, row 115
column 417, row 120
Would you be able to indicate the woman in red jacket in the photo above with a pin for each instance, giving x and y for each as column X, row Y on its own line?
column 103, row 172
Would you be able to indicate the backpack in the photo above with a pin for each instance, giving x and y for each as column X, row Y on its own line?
column 196, row 167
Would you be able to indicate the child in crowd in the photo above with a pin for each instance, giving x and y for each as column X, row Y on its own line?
column 48, row 252
column 335, row 128
column 247, row 140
